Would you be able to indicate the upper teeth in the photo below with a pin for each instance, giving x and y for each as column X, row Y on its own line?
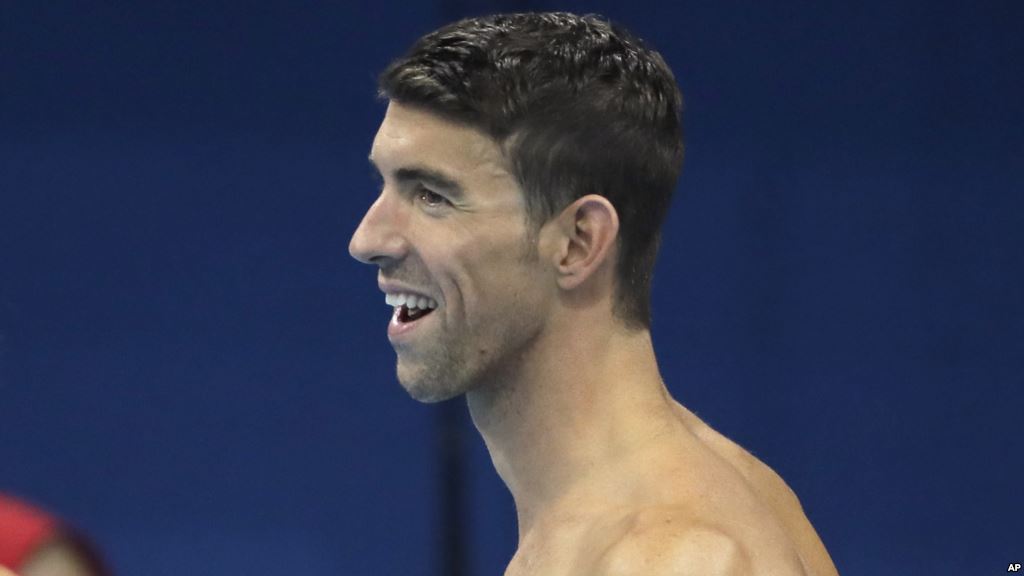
column 410, row 301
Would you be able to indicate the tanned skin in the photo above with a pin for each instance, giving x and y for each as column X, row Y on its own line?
column 610, row 475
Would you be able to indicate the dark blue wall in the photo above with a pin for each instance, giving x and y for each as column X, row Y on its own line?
column 194, row 371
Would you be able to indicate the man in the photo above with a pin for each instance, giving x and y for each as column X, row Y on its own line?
column 527, row 164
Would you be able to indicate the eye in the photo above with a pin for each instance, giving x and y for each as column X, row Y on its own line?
column 429, row 197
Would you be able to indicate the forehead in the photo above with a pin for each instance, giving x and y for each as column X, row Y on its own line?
column 412, row 136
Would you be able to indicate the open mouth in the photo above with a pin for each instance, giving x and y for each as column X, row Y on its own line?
column 409, row 309
column 406, row 314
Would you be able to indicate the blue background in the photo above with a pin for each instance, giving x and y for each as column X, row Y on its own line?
column 194, row 371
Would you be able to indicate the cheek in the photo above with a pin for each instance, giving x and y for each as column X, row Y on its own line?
column 508, row 287
column 484, row 275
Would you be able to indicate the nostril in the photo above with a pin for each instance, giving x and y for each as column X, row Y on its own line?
column 376, row 249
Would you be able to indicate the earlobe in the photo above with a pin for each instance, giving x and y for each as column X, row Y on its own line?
column 587, row 229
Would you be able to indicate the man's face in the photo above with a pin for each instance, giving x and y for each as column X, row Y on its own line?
column 450, row 225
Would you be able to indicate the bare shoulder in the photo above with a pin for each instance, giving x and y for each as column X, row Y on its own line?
column 666, row 542
column 768, row 484
column 772, row 491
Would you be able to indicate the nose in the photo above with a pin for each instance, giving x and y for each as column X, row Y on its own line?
column 379, row 238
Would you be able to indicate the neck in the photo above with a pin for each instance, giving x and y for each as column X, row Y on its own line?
column 577, row 403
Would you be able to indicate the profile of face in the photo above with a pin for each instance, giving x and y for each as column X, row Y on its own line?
column 449, row 226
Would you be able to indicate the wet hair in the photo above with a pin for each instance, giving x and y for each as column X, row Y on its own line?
column 578, row 105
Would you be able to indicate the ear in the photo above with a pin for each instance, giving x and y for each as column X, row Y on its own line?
column 587, row 231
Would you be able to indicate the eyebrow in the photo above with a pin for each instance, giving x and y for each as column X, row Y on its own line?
column 429, row 176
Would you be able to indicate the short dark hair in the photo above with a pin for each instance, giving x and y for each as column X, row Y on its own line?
column 579, row 106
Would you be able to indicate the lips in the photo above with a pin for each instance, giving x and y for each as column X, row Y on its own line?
column 403, row 323
column 407, row 314
column 411, row 307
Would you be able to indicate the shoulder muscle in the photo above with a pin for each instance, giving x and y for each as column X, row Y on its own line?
column 665, row 545
column 666, row 552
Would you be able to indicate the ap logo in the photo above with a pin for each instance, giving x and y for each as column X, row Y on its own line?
column 1013, row 568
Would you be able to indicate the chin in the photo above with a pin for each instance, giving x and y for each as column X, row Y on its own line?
column 427, row 388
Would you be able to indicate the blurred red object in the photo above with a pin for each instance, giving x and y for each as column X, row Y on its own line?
column 23, row 530
column 39, row 543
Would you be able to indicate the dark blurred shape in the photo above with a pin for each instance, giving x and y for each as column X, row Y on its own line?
column 453, row 513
